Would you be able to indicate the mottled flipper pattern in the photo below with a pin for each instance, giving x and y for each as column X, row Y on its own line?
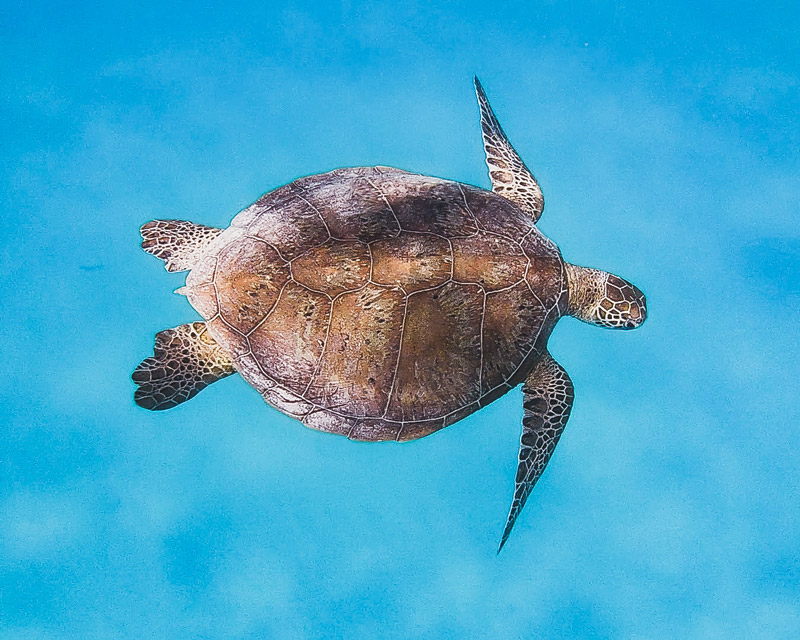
column 510, row 177
column 186, row 359
column 547, row 401
column 177, row 242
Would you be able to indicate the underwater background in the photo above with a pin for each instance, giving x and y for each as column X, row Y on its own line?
column 666, row 142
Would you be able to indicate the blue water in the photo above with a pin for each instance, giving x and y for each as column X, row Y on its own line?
column 666, row 142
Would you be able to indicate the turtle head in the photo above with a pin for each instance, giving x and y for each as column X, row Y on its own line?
column 601, row 298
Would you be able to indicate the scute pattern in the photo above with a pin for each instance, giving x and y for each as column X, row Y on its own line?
column 385, row 305
column 442, row 329
column 497, row 215
column 356, row 369
column 542, row 271
column 489, row 260
column 350, row 204
column 334, row 267
column 514, row 321
column 428, row 205
column 412, row 261
column 288, row 342
column 287, row 221
column 250, row 274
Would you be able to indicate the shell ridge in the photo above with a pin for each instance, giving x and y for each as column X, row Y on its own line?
column 322, row 352
column 322, row 219
column 399, row 355
column 386, row 200
column 271, row 309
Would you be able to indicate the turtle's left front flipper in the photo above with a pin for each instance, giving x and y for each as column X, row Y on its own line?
column 510, row 177
column 185, row 361
column 547, row 401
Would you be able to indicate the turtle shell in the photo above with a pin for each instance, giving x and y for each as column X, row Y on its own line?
column 380, row 304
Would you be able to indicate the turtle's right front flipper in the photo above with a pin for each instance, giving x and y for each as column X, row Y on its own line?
column 186, row 360
column 547, row 401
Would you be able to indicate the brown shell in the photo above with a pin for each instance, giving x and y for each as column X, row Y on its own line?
column 380, row 304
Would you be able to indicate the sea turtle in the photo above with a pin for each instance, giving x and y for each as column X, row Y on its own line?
column 385, row 305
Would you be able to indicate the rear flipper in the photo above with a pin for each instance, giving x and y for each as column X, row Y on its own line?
column 186, row 359
column 178, row 243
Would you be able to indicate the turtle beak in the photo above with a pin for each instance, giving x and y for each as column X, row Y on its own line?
column 638, row 311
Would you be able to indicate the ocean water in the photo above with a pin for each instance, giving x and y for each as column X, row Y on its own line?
column 665, row 139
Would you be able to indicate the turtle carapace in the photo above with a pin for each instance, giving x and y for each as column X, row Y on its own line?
column 385, row 305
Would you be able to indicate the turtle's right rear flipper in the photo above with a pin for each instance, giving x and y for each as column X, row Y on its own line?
column 186, row 359
column 177, row 242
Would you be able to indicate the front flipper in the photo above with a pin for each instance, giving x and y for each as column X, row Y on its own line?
column 547, row 401
column 510, row 177
column 185, row 361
